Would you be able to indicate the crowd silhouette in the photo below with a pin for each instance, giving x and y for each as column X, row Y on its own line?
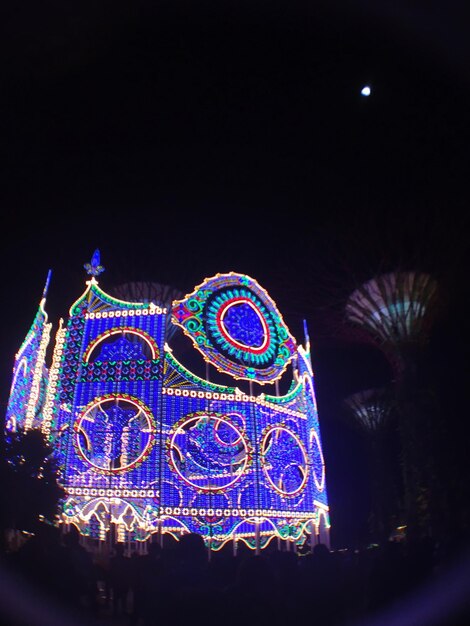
column 181, row 581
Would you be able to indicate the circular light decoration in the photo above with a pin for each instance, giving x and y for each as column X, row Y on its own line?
column 171, row 494
column 121, row 343
column 114, row 433
column 284, row 460
column 236, row 326
column 247, row 496
column 213, row 515
column 208, row 451
column 318, row 462
column 309, row 394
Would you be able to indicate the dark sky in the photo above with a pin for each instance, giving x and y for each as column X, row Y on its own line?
column 185, row 139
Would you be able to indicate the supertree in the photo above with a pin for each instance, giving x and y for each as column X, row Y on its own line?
column 372, row 410
column 397, row 309
column 146, row 291
column 358, row 281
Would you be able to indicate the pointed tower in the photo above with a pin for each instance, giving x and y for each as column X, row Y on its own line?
column 30, row 374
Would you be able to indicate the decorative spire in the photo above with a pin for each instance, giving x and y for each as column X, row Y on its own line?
column 307, row 338
column 94, row 268
column 46, row 286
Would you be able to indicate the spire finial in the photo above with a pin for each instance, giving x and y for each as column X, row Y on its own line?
column 307, row 338
column 94, row 268
column 46, row 286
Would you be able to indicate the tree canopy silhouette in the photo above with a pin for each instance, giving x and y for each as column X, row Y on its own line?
column 31, row 492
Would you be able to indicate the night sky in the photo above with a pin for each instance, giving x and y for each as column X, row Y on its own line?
column 186, row 139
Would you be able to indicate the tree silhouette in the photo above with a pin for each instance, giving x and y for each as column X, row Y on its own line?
column 31, row 493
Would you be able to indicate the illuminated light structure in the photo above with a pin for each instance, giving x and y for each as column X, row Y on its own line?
column 398, row 309
column 30, row 375
column 372, row 410
column 146, row 447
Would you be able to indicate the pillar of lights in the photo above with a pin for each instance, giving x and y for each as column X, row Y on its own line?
column 148, row 447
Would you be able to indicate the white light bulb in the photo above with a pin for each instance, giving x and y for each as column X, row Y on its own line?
column 365, row 91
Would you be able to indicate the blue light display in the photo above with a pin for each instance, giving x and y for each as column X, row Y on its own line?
column 146, row 446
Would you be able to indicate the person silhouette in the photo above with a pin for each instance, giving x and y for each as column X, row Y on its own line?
column 148, row 585
column 119, row 580
column 79, row 572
